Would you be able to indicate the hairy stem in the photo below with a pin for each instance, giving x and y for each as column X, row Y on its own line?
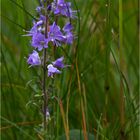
column 44, row 77
column 44, row 87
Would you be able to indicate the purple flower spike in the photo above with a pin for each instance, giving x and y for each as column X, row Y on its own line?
column 52, row 70
column 34, row 59
column 39, row 41
column 59, row 62
column 55, row 35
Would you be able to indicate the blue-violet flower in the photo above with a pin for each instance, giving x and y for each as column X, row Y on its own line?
column 68, row 34
column 34, row 59
column 60, row 7
column 39, row 41
column 52, row 70
column 59, row 62
column 55, row 35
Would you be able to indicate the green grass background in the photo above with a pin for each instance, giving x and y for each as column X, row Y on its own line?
column 98, row 60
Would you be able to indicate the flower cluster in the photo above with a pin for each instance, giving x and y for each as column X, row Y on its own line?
column 56, row 36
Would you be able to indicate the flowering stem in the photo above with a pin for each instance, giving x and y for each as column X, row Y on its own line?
column 44, row 77
column 44, row 88
column 55, row 35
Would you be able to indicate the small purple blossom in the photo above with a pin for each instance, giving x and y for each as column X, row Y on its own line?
column 36, row 28
column 60, row 7
column 68, row 34
column 69, row 38
column 55, row 35
column 52, row 70
column 40, row 22
column 34, row 59
column 39, row 41
column 68, row 27
column 59, row 62
column 33, row 30
column 42, row 17
column 38, row 9
column 49, row 7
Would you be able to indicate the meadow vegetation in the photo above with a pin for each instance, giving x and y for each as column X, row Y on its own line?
column 99, row 94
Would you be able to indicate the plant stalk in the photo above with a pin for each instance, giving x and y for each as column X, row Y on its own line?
column 44, row 77
column 44, row 88
column 122, row 101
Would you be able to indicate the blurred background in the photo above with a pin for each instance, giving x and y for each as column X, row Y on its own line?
column 100, row 94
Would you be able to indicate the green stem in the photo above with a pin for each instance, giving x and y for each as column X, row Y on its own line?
column 44, row 88
column 44, row 77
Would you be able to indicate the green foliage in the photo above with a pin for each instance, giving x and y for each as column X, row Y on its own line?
column 98, row 60
column 76, row 134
